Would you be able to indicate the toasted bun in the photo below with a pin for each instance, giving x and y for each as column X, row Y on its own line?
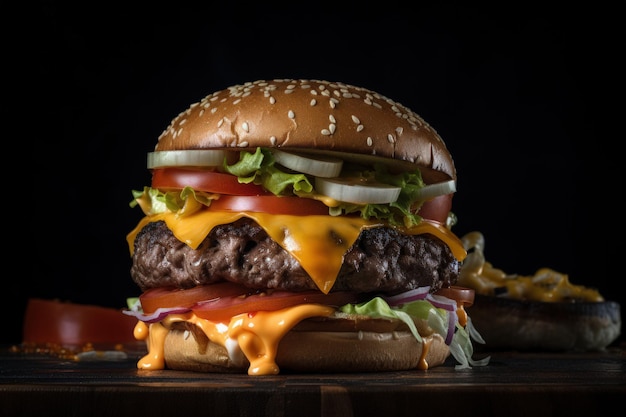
column 310, row 115
column 311, row 351
column 508, row 323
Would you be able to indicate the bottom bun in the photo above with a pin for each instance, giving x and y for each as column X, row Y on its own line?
column 507, row 323
column 306, row 351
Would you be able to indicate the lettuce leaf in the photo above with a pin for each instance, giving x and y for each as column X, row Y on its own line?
column 259, row 168
column 461, row 346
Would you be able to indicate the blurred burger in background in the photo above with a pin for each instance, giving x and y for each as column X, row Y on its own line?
column 299, row 225
column 543, row 311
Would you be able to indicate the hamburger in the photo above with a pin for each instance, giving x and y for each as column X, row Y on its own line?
column 299, row 226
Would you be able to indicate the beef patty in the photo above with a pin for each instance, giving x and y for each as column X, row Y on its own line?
column 381, row 260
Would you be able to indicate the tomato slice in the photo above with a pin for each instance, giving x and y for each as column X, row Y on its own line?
column 224, row 300
column 203, row 180
column 223, row 309
column 270, row 204
column 169, row 297
column 437, row 208
column 72, row 324
column 462, row 295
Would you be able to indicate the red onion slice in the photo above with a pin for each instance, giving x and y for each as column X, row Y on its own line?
column 408, row 296
column 158, row 315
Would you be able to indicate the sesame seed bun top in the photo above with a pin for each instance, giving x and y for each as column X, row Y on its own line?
column 312, row 116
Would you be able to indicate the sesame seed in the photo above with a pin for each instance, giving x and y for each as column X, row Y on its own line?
column 243, row 144
column 291, row 86
column 291, row 114
column 390, row 138
column 399, row 130
column 332, row 127
column 288, row 91
column 213, row 110
column 245, row 126
column 314, row 92
column 369, row 141
column 237, row 101
column 220, row 123
column 313, row 102
column 356, row 119
column 325, row 132
column 182, row 122
column 332, row 118
column 359, row 128
column 272, row 100
column 273, row 140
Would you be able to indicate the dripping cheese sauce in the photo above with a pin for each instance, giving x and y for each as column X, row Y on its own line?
column 255, row 336
column 546, row 285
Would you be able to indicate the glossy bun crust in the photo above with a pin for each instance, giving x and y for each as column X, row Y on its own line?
column 310, row 115
column 311, row 351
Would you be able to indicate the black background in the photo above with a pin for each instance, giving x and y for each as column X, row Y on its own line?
column 524, row 98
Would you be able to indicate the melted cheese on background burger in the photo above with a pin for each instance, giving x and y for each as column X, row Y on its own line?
column 546, row 285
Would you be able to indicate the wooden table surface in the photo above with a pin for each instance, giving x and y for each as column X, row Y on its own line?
column 514, row 383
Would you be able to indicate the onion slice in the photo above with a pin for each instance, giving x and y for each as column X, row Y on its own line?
column 434, row 190
column 316, row 165
column 356, row 191
column 191, row 157
column 408, row 296
column 158, row 315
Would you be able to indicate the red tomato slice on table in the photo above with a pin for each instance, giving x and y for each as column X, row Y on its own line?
column 71, row 324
